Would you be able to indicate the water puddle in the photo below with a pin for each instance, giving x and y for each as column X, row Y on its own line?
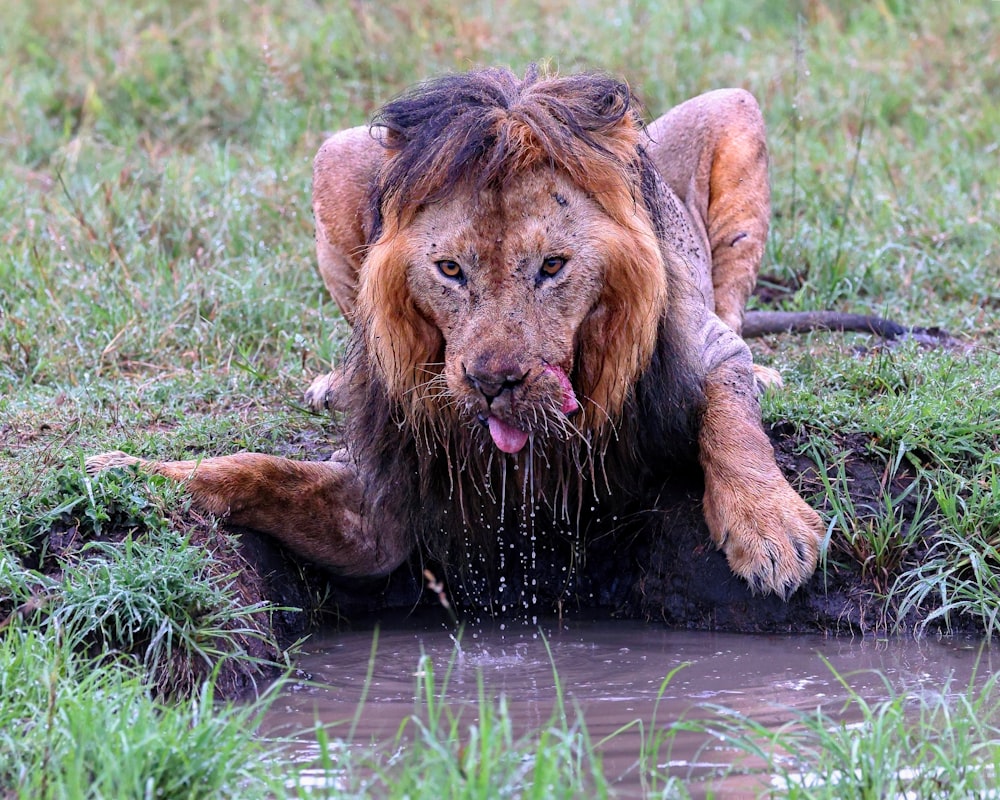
column 613, row 672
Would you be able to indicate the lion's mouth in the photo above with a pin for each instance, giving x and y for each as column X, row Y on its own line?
column 569, row 404
column 507, row 437
column 511, row 439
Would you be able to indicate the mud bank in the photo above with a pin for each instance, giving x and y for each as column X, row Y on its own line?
column 658, row 566
column 669, row 572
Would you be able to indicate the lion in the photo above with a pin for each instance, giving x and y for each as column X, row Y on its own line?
column 546, row 299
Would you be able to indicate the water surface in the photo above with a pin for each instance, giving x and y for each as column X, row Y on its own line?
column 614, row 672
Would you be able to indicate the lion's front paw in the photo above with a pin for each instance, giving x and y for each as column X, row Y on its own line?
column 324, row 393
column 116, row 458
column 768, row 533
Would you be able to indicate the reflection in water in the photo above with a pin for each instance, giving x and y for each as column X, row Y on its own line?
column 614, row 672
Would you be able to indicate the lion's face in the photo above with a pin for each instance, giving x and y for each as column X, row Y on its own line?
column 509, row 279
column 515, row 287
column 515, row 282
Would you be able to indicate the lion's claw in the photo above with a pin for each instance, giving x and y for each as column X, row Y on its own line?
column 114, row 458
column 770, row 538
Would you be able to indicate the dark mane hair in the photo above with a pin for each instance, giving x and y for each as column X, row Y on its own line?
column 462, row 500
column 482, row 126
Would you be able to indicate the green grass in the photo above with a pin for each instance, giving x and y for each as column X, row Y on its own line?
column 158, row 294
column 933, row 745
column 80, row 728
column 161, row 596
column 960, row 575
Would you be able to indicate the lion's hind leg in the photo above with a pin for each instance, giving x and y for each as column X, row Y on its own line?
column 326, row 392
column 712, row 151
column 313, row 508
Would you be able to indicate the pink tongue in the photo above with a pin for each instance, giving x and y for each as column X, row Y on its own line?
column 507, row 437
column 569, row 403
column 511, row 439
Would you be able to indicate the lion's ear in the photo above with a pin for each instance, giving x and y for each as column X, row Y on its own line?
column 590, row 126
column 403, row 346
column 616, row 104
column 593, row 107
column 393, row 140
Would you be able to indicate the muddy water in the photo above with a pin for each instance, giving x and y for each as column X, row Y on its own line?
column 614, row 672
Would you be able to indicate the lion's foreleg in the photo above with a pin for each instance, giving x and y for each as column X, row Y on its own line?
column 768, row 533
column 313, row 508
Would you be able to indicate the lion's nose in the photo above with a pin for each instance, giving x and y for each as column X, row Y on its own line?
column 491, row 385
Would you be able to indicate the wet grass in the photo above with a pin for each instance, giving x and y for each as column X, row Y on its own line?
column 75, row 727
column 157, row 294
column 158, row 597
column 927, row 419
column 940, row 745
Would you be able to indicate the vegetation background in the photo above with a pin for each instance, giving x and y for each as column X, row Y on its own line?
column 158, row 295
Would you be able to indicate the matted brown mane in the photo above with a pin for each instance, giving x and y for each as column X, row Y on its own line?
column 476, row 130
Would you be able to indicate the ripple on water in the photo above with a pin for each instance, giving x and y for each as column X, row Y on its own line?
column 614, row 672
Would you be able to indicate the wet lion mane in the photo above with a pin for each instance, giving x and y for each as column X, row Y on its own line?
column 485, row 126
column 479, row 129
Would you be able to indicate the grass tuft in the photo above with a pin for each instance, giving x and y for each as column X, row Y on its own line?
column 959, row 578
column 936, row 745
column 113, row 576
column 82, row 729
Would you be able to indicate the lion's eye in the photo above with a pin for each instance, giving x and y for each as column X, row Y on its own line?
column 552, row 265
column 450, row 269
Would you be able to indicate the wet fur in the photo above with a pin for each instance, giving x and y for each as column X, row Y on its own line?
column 478, row 130
column 461, row 478
column 664, row 384
column 461, row 130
